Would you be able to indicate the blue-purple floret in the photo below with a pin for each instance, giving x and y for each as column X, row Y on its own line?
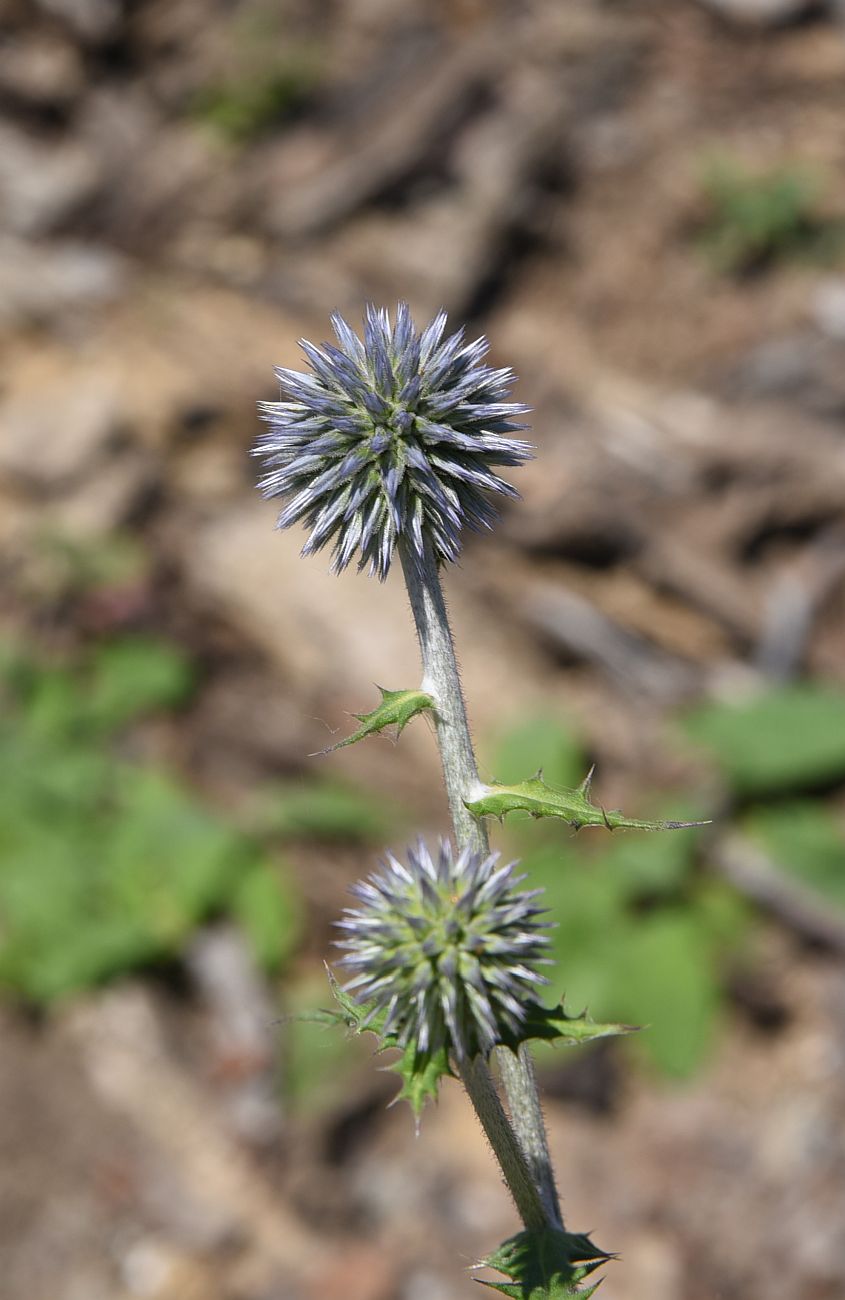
column 390, row 437
column 445, row 947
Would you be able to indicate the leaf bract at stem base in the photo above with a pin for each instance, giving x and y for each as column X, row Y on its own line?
column 420, row 1071
column 536, row 797
column 545, row 1265
column 396, row 709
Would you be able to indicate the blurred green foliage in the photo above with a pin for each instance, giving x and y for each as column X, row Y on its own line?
column 540, row 744
column 317, row 1059
column 105, row 863
column 270, row 73
column 272, row 69
column 805, row 840
column 755, row 218
column 248, row 103
column 640, row 935
column 784, row 739
column 645, row 933
column 325, row 811
column 67, row 566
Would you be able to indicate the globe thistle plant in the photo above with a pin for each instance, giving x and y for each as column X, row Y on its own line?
column 446, row 946
column 393, row 436
column 388, row 447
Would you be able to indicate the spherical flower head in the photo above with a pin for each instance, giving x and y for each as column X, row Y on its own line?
column 446, row 947
column 390, row 436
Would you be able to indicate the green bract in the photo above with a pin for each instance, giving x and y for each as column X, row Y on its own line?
column 534, row 796
column 396, row 710
column 546, row 1265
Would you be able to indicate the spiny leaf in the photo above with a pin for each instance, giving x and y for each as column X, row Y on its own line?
column 545, row 1265
column 396, row 709
column 420, row 1072
column 354, row 1015
column 573, row 806
column 553, row 1025
column 321, row 1016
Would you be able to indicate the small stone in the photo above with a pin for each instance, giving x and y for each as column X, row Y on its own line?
column 778, row 367
column 147, row 1267
column 360, row 1272
column 828, row 307
column 94, row 21
column 41, row 185
column 763, row 13
column 424, row 1284
column 39, row 282
column 52, row 435
column 318, row 630
column 107, row 499
column 240, row 1009
column 40, row 70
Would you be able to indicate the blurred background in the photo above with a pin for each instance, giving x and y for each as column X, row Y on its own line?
column 643, row 204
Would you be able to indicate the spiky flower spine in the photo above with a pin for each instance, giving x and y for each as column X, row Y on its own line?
column 390, row 436
column 445, row 946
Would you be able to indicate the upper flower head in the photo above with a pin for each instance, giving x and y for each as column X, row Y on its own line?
column 393, row 436
column 445, row 946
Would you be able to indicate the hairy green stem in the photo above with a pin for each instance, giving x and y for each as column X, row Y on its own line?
column 441, row 680
column 520, row 1084
column 478, row 1082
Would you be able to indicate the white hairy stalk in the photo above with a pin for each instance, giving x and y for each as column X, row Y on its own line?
column 441, row 680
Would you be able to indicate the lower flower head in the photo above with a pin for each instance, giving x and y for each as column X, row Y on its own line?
column 390, row 436
column 445, row 946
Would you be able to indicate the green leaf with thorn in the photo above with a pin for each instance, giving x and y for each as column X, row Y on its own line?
column 545, row 1265
column 573, row 806
column 396, row 710
column 351, row 1014
column 419, row 1071
column 553, row 1025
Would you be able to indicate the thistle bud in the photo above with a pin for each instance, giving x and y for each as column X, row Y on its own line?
column 445, row 947
column 390, row 436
